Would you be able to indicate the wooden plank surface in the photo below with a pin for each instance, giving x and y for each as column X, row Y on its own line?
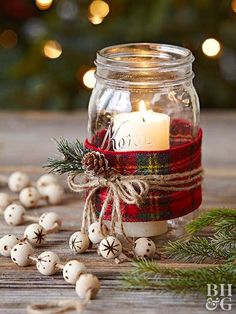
column 25, row 144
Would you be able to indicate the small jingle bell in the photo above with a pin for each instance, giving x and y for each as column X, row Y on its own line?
column 145, row 248
column 29, row 197
column 47, row 263
column 14, row 214
column 18, row 181
column 50, row 221
column 110, row 247
column 35, row 234
column 95, row 234
column 5, row 200
column 20, row 254
column 6, row 244
column 54, row 194
column 44, row 181
column 79, row 242
column 72, row 270
column 85, row 283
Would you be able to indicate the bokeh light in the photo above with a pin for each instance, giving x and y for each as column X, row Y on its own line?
column 99, row 8
column 95, row 19
column 52, row 49
column 211, row 47
column 43, row 4
column 8, row 38
column 67, row 9
column 89, row 79
column 233, row 5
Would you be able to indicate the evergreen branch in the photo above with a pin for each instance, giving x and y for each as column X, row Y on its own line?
column 209, row 218
column 226, row 225
column 220, row 247
column 196, row 250
column 151, row 275
column 72, row 152
column 225, row 241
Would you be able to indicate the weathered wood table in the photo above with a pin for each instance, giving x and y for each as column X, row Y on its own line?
column 25, row 144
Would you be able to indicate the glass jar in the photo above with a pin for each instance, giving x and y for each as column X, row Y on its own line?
column 149, row 83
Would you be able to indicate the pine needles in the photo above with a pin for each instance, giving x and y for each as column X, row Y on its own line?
column 220, row 247
column 151, row 275
column 213, row 217
column 72, row 152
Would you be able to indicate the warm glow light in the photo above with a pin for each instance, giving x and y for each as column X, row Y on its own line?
column 52, row 49
column 43, row 4
column 142, row 105
column 233, row 5
column 99, row 8
column 8, row 38
column 89, row 79
column 95, row 19
column 211, row 47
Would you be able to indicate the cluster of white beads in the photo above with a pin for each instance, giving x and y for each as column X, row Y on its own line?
column 46, row 188
column 108, row 246
column 48, row 263
column 35, row 234
column 15, row 214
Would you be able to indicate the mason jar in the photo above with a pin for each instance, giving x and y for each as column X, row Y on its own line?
column 144, row 100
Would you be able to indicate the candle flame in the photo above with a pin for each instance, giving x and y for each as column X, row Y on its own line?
column 142, row 106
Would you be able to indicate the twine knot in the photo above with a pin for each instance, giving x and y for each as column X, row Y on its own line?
column 130, row 189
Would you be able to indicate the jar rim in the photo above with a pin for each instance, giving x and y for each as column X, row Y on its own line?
column 139, row 56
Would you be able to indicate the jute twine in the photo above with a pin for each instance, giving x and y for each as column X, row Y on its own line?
column 58, row 307
column 130, row 189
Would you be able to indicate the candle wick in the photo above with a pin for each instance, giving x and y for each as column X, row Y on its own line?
column 143, row 119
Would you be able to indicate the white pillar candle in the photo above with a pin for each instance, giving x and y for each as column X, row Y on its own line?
column 142, row 131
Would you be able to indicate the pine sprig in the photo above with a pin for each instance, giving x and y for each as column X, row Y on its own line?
column 151, row 275
column 211, row 217
column 72, row 153
column 224, row 241
column 197, row 250
column 220, row 247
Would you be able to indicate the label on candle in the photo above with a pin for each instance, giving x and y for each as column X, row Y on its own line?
column 145, row 131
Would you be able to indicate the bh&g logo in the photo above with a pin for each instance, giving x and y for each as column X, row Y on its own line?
column 219, row 296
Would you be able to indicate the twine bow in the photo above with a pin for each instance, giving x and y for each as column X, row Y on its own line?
column 130, row 189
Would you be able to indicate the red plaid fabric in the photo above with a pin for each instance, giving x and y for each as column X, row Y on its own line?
column 158, row 205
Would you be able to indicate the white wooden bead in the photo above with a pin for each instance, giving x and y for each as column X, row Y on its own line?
column 5, row 200
column 95, row 234
column 85, row 283
column 47, row 263
column 144, row 247
column 18, row 181
column 72, row 270
column 14, row 214
column 110, row 247
column 20, row 254
column 49, row 221
column 44, row 181
column 6, row 244
column 29, row 197
column 79, row 242
column 54, row 194
column 35, row 234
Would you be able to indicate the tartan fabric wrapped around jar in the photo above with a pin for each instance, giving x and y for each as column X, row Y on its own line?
column 144, row 117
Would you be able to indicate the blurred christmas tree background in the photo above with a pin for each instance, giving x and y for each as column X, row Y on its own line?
column 47, row 47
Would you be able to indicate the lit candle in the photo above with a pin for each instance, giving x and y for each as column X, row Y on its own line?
column 143, row 130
